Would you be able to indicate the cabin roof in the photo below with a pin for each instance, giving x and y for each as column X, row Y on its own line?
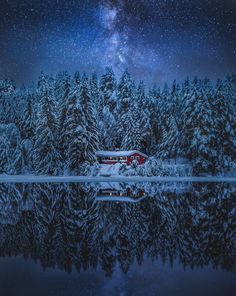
column 103, row 153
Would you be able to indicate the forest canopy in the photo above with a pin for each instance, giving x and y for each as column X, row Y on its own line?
column 56, row 125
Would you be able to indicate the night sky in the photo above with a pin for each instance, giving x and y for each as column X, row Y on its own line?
column 155, row 40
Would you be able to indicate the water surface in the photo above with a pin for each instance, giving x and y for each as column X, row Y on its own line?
column 117, row 239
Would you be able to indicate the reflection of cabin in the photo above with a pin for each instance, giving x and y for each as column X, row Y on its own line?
column 127, row 157
column 112, row 194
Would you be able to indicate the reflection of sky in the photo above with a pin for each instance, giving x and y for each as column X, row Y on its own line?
column 156, row 40
column 26, row 278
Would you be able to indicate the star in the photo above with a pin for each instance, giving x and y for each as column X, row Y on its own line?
column 149, row 38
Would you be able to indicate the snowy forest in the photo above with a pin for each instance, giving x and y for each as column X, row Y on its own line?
column 55, row 126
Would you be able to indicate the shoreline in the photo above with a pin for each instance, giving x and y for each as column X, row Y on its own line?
column 98, row 179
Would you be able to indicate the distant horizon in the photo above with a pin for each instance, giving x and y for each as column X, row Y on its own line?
column 149, row 84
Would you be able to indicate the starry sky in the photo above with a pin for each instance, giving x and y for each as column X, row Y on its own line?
column 156, row 40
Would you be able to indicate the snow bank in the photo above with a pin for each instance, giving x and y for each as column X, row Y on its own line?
column 156, row 167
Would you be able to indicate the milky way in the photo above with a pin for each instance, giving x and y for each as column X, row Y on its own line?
column 155, row 40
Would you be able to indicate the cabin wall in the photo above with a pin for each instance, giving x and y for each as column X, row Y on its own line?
column 129, row 160
column 141, row 159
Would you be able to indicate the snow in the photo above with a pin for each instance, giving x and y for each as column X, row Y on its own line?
column 103, row 153
column 119, row 199
column 84, row 179
column 59, row 126
column 109, row 170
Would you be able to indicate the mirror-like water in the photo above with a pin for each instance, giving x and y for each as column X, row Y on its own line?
column 118, row 239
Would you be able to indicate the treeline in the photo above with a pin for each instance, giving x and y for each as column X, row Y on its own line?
column 55, row 126
column 63, row 226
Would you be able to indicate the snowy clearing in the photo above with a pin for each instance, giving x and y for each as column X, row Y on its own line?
column 82, row 179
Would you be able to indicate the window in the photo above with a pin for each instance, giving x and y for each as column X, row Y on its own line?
column 109, row 158
column 135, row 157
column 122, row 157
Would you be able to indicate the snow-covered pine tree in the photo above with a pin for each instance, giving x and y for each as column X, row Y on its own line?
column 76, row 134
column 7, row 86
column 126, row 91
column 170, row 136
column 12, row 143
column 28, row 118
column 62, row 91
column 185, row 96
column 143, row 106
column 9, row 101
column 108, row 89
column 168, row 124
column 77, row 79
column 107, row 128
column 94, row 91
column 199, row 130
column 229, row 90
column 134, row 135
column 46, row 153
column 88, row 124
column 4, row 156
column 189, row 110
column 225, row 125
column 155, row 116
column 176, row 107
column 107, row 109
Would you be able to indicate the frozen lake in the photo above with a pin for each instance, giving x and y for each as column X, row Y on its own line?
column 117, row 238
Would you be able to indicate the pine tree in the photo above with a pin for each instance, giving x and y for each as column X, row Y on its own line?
column 88, row 124
column 171, row 123
column 225, row 125
column 76, row 134
column 62, row 91
column 94, row 92
column 134, row 137
column 4, row 157
column 155, row 116
column 190, row 109
column 199, row 130
column 126, row 90
column 46, row 152
column 107, row 110
column 108, row 90
column 77, row 79
column 164, row 111
column 28, row 118
column 143, row 106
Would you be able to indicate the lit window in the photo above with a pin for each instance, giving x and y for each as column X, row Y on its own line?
column 123, row 158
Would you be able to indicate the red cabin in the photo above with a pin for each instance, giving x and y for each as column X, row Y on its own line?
column 113, row 157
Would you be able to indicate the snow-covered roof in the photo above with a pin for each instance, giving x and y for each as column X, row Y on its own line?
column 103, row 153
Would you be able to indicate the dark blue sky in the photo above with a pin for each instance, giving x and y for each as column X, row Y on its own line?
column 156, row 40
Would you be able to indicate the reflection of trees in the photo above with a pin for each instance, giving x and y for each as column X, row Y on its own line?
column 63, row 225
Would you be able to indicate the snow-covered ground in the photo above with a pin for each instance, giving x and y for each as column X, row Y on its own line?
column 120, row 199
column 109, row 170
column 82, row 179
